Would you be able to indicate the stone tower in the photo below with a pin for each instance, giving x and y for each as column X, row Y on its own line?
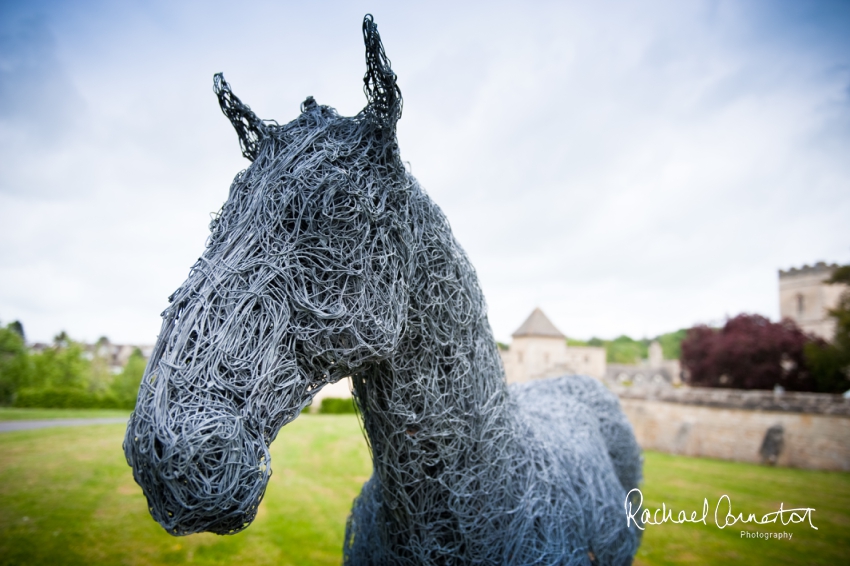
column 805, row 298
column 540, row 350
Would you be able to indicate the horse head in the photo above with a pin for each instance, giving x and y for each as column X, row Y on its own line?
column 303, row 282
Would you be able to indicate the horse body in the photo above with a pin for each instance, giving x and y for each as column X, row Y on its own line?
column 328, row 260
column 432, row 414
column 467, row 470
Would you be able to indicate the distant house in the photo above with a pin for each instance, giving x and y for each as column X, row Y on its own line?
column 539, row 350
column 805, row 298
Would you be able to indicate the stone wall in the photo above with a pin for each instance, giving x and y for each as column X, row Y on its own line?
column 801, row 430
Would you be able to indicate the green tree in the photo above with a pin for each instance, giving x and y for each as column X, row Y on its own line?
column 14, row 363
column 671, row 343
column 625, row 350
column 125, row 386
column 830, row 362
column 61, row 366
column 18, row 328
column 841, row 313
column 622, row 350
column 100, row 374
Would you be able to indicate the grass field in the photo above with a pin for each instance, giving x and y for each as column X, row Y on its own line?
column 68, row 497
column 682, row 483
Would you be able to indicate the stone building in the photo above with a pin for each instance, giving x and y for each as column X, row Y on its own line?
column 805, row 298
column 540, row 350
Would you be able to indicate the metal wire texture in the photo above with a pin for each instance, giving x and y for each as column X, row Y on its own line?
column 329, row 260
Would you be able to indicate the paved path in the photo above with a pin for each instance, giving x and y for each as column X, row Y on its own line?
column 8, row 426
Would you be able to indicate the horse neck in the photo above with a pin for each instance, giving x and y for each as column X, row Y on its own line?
column 427, row 407
column 429, row 383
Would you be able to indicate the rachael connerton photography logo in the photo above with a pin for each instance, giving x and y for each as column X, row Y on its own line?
column 763, row 535
column 724, row 505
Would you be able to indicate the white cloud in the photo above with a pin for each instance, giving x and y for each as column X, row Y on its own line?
column 630, row 168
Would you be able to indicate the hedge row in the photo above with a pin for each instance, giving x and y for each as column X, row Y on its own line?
column 72, row 398
column 69, row 398
column 332, row 406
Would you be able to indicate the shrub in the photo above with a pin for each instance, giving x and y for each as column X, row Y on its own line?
column 671, row 344
column 625, row 350
column 63, row 375
column 749, row 352
column 65, row 398
column 829, row 365
column 333, row 406
column 125, row 385
column 14, row 363
column 61, row 366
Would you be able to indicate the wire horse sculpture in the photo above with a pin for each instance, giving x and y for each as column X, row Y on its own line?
column 329, row 260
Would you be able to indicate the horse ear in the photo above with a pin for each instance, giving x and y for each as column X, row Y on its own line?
column 249, row 128
column 380, row 86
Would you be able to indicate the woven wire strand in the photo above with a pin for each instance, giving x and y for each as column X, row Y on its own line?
column 329, row 260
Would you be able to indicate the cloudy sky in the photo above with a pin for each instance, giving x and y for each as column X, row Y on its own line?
column 630, row 167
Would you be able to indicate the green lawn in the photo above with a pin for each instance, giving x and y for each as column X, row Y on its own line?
column 682, row 483
column 68, row 497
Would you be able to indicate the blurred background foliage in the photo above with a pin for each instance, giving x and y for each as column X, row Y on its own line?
column 64, row 374
column 747, row 352
column 627, row 350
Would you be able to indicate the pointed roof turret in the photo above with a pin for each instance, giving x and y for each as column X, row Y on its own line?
column 537, row 324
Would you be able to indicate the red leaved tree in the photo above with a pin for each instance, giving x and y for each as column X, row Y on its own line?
column 749, row 352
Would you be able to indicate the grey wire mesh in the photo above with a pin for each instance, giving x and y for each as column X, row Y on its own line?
column 328, row 260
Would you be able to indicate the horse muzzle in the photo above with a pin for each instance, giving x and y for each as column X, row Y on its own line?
column 199, row 472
